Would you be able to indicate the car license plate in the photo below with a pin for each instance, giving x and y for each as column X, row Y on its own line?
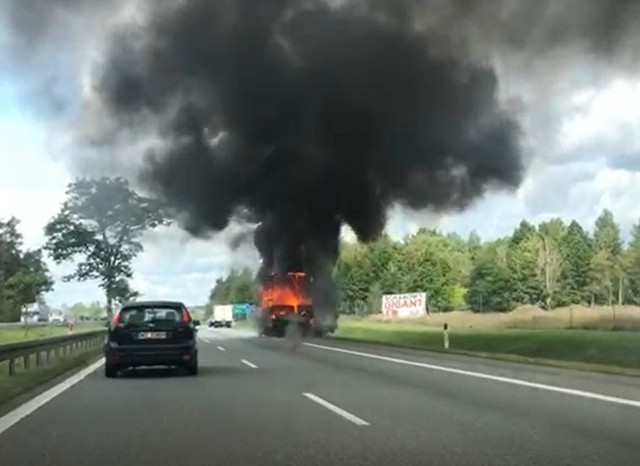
column 152, row 335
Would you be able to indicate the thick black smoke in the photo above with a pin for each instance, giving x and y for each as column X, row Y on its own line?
column 302, row 115
column 323, row 117
column 308, row 115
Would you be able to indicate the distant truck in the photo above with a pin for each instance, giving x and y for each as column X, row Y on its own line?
column 222, row 316
column 57, row 317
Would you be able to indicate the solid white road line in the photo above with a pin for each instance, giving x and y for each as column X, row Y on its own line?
column 30, row 406
column 480, row 375
column 221, row 348
column 250, row 364
column 337, row 410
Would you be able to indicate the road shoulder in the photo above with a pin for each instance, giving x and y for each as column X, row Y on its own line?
column 32, row 393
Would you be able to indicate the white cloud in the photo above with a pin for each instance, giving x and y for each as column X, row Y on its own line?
column 606, row 116
column 589, row 162
column 31, row 185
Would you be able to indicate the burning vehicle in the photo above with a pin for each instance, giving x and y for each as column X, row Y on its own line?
column 295, row 276
column 286, row 299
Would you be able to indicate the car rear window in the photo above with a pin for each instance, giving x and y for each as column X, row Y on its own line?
column 140, row 315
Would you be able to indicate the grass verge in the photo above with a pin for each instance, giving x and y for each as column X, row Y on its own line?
column 605, row 351
column 25, row 380
column 12, row 335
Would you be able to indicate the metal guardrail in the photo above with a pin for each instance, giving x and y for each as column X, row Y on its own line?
column 22, row 324
column 63, row 345
column 48, row 324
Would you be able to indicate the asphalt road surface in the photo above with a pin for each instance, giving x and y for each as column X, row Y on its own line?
column 258, row 402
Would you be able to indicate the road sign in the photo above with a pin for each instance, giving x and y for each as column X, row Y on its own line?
column 404, row 305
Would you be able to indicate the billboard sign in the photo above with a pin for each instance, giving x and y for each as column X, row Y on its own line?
column 404, row 305
column 242, row 311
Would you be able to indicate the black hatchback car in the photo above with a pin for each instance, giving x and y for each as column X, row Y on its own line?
column 151, row 333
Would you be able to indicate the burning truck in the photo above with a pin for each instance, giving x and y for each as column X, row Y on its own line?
column 295, row 276
column 285, row 299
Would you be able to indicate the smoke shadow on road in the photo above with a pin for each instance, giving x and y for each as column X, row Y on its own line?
column 171, row 372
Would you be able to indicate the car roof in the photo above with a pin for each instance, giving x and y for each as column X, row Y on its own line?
column 153, row 304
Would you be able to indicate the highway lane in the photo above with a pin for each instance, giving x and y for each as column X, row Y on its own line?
column 258, row 413
column 457, row 419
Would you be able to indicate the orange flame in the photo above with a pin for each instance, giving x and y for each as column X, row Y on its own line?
column 285, row 291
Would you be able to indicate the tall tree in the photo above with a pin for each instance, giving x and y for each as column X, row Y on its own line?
column 122, row 291
column 245, row 288
column 460, row 254
column 23, row 274
column 606, row 235
column 353, row 273
column 577, row 255
column 550, row 263
column 490, row 281
column 427, row 267
column 632, row 264
column 237, row 287
column 100, row 224
column 382, row 265
column 474, row 245
column 607, row 263
column 523, row 259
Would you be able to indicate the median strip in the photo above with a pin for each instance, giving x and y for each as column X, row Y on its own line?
column 250, row 364
column 336, row 409
column 480, row 375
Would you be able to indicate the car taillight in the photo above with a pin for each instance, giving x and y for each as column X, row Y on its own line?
column 186, row 318
column 116, row 318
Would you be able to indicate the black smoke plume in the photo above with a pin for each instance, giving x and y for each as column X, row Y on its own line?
column 307, row 116
column 303, row 115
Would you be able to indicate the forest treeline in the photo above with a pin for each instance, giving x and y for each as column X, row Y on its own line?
column 552, row 264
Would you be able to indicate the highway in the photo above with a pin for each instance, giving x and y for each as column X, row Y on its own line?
column 259, row 401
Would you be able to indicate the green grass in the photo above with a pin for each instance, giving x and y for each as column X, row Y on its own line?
column 600, row 350
column 25, row 380
column 12, row 335
column 244, row 324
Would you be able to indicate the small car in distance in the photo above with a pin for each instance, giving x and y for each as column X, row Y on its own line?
column 151, row 333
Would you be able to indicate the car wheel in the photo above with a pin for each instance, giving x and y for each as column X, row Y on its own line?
column 192, row 369
column 110, row 371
